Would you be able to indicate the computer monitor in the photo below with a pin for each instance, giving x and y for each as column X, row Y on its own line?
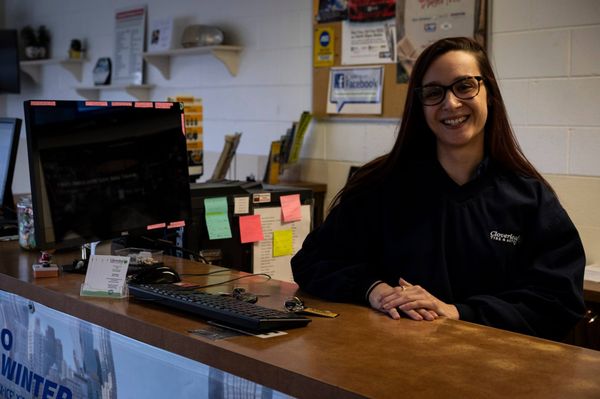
column 10, row 71
column 10, row 129
column 102, row 170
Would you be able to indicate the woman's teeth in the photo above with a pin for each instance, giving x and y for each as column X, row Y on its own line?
column 455, row 121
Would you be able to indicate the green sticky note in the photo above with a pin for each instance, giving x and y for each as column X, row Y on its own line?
column 215, row 205
column 282, row 243
column 217, row 220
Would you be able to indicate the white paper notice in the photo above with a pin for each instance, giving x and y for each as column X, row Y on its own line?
column 241, row 205
column 263, row 261
column 592, row 273
column 105, row 275
column 368, row 42
column 128, row 60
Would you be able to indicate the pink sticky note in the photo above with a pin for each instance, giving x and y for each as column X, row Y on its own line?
column 290, row 207
column 250, row 229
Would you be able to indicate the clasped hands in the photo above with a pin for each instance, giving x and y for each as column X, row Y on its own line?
column 412, row 300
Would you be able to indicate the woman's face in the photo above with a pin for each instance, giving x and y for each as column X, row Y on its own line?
column 457, row 124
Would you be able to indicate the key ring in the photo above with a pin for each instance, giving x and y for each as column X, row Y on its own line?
column 294, row 304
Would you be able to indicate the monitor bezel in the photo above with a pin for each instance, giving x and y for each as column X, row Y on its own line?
column 11, row 85
column 7, row 194
column 40, row 202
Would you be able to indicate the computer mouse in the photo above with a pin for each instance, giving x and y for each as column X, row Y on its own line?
column 156, row 275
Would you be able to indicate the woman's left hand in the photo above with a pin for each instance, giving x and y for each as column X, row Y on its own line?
column 410, row 298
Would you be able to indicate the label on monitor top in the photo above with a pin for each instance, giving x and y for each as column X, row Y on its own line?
column 261, row 198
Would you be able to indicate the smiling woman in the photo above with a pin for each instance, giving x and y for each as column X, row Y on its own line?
column 457, row 121
column 459, row 223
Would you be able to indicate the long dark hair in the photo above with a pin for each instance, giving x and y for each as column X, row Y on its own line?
column 415, row 139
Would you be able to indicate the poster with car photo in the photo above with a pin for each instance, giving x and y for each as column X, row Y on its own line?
column 371, row 10
column 332, row 10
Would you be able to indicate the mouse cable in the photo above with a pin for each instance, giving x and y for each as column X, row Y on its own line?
column 168, row 244
column 228, row 281
column 207, row 273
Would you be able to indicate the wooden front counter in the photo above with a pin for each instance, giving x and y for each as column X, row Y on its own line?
column 361, row 353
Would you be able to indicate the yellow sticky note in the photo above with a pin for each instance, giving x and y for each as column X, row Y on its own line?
column 282, row 243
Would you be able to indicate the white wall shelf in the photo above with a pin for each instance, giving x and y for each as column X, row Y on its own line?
column 228, row 55
column 141, row 92
column 33, row 67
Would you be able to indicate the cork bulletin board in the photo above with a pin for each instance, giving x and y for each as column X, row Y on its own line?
column 394, row 94
column 418, row 24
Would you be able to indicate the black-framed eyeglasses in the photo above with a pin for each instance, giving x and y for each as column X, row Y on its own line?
column 464, row 89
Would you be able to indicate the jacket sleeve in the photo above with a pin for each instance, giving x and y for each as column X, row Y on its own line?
column 336, row 262
column 545, row 297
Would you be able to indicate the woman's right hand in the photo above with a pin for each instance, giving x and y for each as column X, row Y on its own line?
column 384, row 290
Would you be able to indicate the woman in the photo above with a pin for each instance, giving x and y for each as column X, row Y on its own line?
column 453, row 221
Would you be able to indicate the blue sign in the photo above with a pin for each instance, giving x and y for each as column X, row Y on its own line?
column 325, row 39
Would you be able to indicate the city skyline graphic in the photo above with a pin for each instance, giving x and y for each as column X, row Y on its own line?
column 88, row 371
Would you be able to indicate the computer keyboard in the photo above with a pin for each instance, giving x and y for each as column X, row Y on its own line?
column 221, row 309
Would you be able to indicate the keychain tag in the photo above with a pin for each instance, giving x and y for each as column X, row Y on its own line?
column 296, row 305
column 318, row 312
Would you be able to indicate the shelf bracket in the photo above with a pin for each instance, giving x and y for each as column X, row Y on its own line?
column 141, row 93
column 161, row 62
column 73, row 66
column 231, row 59
column 33, row 71
column 89, row 93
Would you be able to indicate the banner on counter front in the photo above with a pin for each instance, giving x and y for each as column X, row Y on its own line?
column 48, row 354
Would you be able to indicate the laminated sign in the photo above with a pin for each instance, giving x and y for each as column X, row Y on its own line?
column 356, row 90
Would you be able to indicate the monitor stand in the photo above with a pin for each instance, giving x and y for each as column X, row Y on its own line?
column 8, row 216
column 8, row 228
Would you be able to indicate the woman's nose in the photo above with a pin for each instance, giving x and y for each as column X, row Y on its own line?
column 451, row 101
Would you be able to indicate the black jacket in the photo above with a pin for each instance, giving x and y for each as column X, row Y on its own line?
column 500, row 248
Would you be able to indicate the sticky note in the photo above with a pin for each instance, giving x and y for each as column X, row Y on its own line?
column 215, row 205
column 250, row 229
column 217, row 220
column 290, row 208
column 282, row 242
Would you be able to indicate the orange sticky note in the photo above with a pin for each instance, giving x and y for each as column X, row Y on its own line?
column 290, row 208
column 250, row 229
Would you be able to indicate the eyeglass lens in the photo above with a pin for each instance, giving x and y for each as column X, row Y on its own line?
column 464, row 89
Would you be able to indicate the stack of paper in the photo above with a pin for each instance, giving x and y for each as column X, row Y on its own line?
column 592, row 273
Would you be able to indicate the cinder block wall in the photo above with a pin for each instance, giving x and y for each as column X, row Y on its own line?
column 546, row 54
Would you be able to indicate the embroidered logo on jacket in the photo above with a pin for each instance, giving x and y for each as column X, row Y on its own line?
column 505, row 237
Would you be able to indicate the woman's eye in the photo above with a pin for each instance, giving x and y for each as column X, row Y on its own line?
column 432, row 92
column 464, row 87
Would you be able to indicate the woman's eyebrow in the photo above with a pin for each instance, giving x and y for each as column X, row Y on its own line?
column 437, row 83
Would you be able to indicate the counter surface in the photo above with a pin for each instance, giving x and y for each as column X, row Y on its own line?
column 361, row 353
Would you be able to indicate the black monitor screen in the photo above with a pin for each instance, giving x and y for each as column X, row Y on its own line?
column 9, row 62
column 9, row 142
column 100, row 170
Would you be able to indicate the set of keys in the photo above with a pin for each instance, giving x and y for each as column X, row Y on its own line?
column 297, row 305
column 293, row 304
